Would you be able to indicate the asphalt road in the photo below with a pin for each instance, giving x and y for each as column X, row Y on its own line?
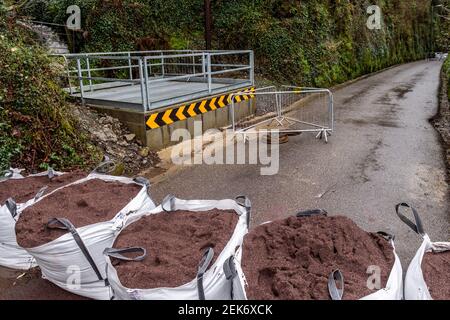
column 384, row 151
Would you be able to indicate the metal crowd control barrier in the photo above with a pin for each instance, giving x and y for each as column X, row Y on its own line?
column 212, row 71
column 291, row 110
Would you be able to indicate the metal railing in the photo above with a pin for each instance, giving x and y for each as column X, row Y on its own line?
column 146, row 69
column 290, row 110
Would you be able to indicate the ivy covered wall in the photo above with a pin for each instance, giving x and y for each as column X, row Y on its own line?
column 307, row 42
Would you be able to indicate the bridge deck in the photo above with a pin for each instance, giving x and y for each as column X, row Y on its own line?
column 162, row 94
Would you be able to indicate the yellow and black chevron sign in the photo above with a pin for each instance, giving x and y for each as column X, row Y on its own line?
column 171, row 115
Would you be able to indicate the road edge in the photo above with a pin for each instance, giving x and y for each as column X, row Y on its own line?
column 441, row 120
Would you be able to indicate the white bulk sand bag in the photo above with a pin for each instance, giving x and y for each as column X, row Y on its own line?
column 212, row 282
column 11, row 173
column 11, row 254
column 394, row 285
column 75, row 260
column 392, row 291
column 415, row 285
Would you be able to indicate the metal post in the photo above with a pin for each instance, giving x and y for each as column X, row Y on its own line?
column 331, row 110
column 68, row 74
column 232, row 113
column 252, row 67
column 193, row 64
column 203, row 66
column 277, row 102
column 88, row 66
column 163, row 72
column 147, row 89
column 208, row 56
column 80, row 78
column 141, row 79
column 130, row 68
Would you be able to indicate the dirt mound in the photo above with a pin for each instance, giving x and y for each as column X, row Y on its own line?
column 291, row 259
column 83, row 204
column 435, row 268
column 22, row 190
column 175, row 243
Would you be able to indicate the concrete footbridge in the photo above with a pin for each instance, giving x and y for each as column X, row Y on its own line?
column 156, row 92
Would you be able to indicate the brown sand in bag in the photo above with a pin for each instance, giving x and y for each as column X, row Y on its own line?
column 175, row 244
column 291, row 259
column 83, row 204
column 436, row 272
column 22, row 190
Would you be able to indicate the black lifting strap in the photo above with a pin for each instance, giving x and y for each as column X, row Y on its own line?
column 12, row 207
column 6, row 174
column 313, row 212
column 65, row 224
column 417, row 226
column 245, row 202
column 386, row 236
column 203, row 266
column 229, row 268
column 335, row 292
column 105, row 167
column 50, row 173
column 118, row 253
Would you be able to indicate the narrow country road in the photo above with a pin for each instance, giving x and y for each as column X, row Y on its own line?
column 384, row 151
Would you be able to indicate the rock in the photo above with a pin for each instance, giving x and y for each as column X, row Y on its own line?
column 144, row 152
column 130, row 137
column 100, row 135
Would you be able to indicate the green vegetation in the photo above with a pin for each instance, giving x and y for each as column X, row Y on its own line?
column 306, row 42
column 446, row 69
column 442, row 25
column 36, row 130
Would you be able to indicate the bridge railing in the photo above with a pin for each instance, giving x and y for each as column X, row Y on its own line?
column 90, row 72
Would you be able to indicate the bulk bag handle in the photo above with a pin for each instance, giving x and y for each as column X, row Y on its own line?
column 313, row 212
column 6, row 174
column 203, row 266
column 65, row 224
column 168, row 200
column 245, row 202
column 143, row 181
column 118, row 253
column 40, row 193
column 50, row 173
column 417, row 226
column 386, row 236
column 229, row 269
column 105, row 167
column 335, row 292
column 12, row 207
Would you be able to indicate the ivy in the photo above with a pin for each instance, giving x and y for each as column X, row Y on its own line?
column 36, row 127
column 314, row 42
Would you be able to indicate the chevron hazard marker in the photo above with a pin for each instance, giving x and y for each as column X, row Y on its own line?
column 171, row 115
